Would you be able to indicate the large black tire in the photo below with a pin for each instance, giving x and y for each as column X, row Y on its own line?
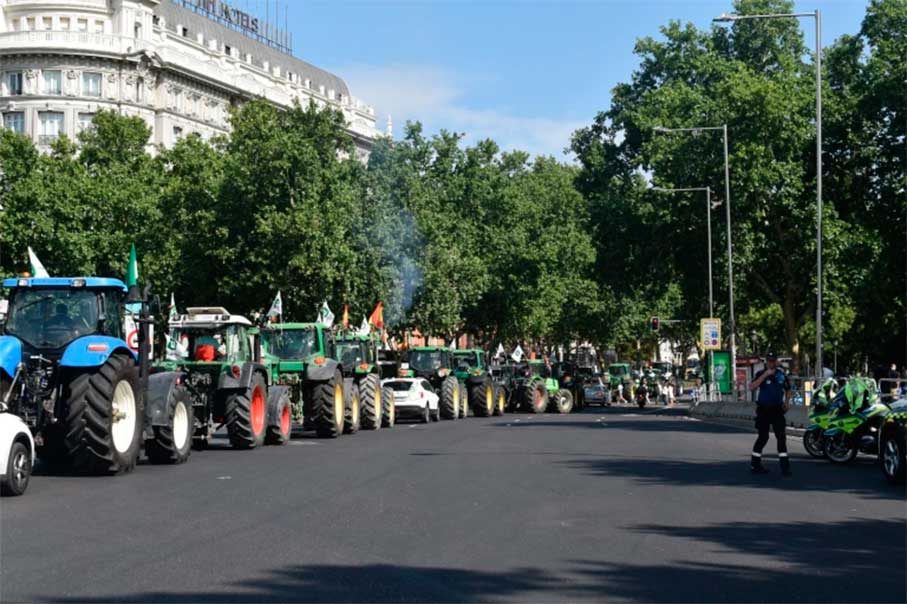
column 481, row 399
column 370, row 401
column 246, row 415
column 327, row 405
column 464, row 401
column 562, row 401
column 280, row 420
column 892, row 453
column 814, row 443
column 450, row 398
column 500, row 401
column 352, row 414
column 18, row 470
column 535, row 397
column 95, row 442
column 172, row 443
column 388, row 408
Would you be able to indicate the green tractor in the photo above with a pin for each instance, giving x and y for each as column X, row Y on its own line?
column 472, row 369
column 358, row 355
column 537, row 391
column 621, row 379
column 229, row 384
column 436, row 364
column 304, row 362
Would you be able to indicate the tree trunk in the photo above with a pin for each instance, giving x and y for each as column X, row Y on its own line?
column 792, row 333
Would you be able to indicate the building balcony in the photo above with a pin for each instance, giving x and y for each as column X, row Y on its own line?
column 70, row 42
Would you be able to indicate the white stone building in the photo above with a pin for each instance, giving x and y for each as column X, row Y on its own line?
column 178, row 64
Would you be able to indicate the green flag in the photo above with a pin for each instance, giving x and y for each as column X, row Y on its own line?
column 132, row 271
column 37, row 269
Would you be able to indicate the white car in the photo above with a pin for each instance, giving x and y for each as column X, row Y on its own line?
column 17, row 454
column 414, row 397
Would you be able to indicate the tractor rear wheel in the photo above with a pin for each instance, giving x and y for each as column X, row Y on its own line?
column 104, row 419
column 280, row 420
column 389, row 408
column 352, row 417
column 245, row 415
column 370, row 400
column 173, row 443
column 327, row 403
column 500, row 401
column 450, row 398
column 535, row 397
column 481, row 398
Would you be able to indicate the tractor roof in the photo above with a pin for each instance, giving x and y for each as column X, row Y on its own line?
column 467, row 351
column 293, row 326
column 58, row 282
column 209, row 315
column 431, row 348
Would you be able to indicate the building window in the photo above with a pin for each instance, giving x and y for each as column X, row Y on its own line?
column 177, row 133
column 137, row 31
column 228, row 51
column 52, row 82
column 64, row 23
column 83, row 24
column 140, row 90
column 48, row 23
column 85, row 120
column 99, row 27
column 14, row 83
column 15, row 121
column 185, row 32
column 91, row 84
column 51, row 126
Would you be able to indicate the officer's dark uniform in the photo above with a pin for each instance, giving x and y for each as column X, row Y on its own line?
column 770, row 414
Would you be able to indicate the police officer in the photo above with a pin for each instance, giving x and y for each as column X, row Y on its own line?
column 771, row 404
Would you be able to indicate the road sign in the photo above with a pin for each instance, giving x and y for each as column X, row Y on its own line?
column 710, row 333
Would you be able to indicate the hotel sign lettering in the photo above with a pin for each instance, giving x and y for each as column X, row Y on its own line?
column 234, row 16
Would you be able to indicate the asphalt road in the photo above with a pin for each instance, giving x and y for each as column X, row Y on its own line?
column 605, row 505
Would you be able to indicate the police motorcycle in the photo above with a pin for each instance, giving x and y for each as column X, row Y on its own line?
column 858, row 415
column 820, row 417
column 646, row 386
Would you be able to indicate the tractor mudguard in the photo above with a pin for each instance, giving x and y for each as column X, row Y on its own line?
column 323, row 372
column 160, row 388
column 10, row 354
column 93, row 351
column 248, row 369
column 477, row 380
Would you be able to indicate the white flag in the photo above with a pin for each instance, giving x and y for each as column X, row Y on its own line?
column 174, row 315
column 276, row 306
column 37, row 269
column 499, row 352
column 325, row 316
column 453, row 344
column 365, row 328
column 517, row 354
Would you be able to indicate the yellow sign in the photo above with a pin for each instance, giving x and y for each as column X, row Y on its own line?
column 710, row 333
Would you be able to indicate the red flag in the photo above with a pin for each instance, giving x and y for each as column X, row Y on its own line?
column 346, row 316
column 377, row 317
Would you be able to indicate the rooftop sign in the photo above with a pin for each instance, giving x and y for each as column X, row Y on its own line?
column 243, row 22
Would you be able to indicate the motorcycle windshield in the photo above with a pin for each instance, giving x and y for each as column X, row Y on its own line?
column 49, row 319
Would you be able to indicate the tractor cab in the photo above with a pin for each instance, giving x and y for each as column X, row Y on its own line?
column 296, row 343
column 469, row 363
column 357, row 353
column 430, row 362
column 209, row 335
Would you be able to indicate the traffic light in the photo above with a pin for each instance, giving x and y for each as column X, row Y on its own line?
column 655, row 323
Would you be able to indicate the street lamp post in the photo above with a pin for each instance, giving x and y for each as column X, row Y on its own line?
column 730, row 263
column 724, row 18
column 708, row 222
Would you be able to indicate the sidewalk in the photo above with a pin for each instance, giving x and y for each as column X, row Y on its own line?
column 744, row 413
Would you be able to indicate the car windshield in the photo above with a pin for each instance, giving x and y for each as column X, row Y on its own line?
column 427, row 360
column 295, row 344
column 52, row 318
column 214, row 344
column 399, row 386
column 618, row 370
column 466, row 358
column 351, row 353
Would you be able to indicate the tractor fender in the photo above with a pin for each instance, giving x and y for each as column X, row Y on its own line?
column 322, row 373
column 247, row 370
column 477, row 380
column 93, row 351
column 10, row 354
column 160, row 390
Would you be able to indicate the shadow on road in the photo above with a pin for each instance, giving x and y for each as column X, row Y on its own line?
column 656, row 424
column 809, row 475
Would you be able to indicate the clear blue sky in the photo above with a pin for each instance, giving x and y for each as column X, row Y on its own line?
column 525, row 73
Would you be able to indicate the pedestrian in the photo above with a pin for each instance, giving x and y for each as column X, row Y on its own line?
column 894, row 384
column 771, row 405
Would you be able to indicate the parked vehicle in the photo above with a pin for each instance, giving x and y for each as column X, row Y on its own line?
column 597, row 393
column 414, row 397
column 88, row 398
column 893, row 443
column 17, row 453
column 820, row 416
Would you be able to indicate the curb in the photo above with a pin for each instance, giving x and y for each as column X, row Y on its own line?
column 797, row 417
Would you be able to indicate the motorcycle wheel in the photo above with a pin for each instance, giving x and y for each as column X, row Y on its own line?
column 814, row 443
column 840, row 448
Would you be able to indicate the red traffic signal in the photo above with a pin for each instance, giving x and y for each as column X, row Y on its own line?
column 655, row 323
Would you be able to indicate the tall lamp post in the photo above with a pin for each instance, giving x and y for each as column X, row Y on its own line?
column 730, row 264
column 726, row 18
column 708, row 217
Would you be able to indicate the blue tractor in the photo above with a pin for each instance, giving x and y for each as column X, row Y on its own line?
column 67, row 370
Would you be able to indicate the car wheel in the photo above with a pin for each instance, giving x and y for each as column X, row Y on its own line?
column 426, row 414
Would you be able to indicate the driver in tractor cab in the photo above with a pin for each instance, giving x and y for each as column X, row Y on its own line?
column 210, row 348
column 61, row 319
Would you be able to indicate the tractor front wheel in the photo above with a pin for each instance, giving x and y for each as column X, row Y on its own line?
column 500, row 398
column 370, row 400
column 280, row 420
column 450, row 398
column 104, row 422
column 535, row 397
column 563, row 401
column 481, row 398
column 327, row 403
column 389, row 408
column 352, row 415
column 173, row 443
